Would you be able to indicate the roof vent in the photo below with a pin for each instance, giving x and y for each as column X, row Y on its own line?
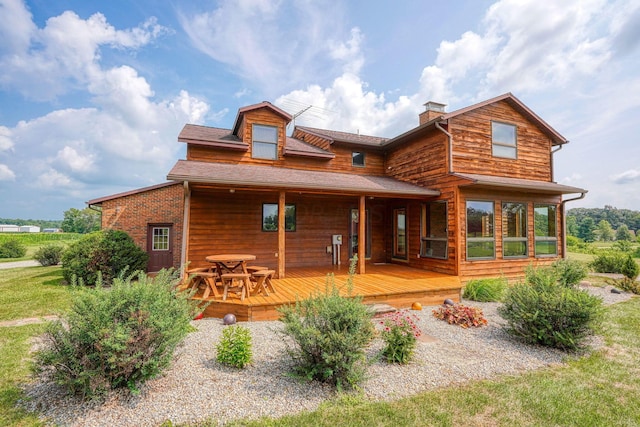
column 432, row 110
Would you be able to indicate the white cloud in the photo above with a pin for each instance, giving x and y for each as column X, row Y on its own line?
column 74, row 160
column 276, row 45
column 5, row 138
column 64, row 55
column 626, row 177
column 6, row 174
column 53, row 179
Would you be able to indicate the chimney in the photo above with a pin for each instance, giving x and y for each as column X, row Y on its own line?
column 432, row 110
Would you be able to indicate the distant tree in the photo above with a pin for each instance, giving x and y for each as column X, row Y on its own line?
column 81, row 221
column 623, row 233
column 572, row 226
column 605, row 231
column 586, row 229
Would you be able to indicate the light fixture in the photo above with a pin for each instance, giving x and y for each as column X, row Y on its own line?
column 232, row 190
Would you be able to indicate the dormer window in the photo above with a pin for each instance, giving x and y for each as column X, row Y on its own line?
column 357, row 158
column 504, row 140
column 265, row 142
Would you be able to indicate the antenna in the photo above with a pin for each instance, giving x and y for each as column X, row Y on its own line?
column 300, row 113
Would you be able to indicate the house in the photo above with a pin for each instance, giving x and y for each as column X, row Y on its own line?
column 29, row 229
column 469, row 193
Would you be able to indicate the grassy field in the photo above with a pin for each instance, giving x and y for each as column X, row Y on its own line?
column 33, row 241
column 597, row 390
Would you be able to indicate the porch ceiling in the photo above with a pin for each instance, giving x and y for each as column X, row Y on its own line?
column 258, row 176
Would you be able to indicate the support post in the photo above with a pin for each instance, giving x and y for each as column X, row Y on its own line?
column 281, row 235
column 362, row 249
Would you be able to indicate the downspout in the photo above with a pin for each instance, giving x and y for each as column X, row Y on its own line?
column 552, row 153
column 564, row 222
column 450, row 137
column 185, row 225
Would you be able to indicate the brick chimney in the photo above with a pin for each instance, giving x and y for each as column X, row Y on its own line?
column 432, row 110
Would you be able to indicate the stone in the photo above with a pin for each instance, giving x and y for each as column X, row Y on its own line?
column 229, row 319
column 449, row 301
column 616, row 291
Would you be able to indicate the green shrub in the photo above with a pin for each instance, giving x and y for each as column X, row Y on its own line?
column 460, row 314
column 569, row 272
column 117, row 337
column 50, row 254
column 485, row 289
column 541, row 277
column 549, row 314
column 626, row 284
column 615, row 262
column 329, row 335
column 400, row 335
column 108, row 252
column 235, row 348
column 12, row 249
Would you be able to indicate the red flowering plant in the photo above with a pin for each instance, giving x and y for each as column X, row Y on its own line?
column 459, row 314
column 400, row 334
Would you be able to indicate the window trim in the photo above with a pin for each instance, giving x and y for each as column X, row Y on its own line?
column 491, row 239
column 364, row 159
column 425, row 226
column 504, row 144
column 506, row 238
column 546, row 238
column 294, row 220
column 259, row 141
column 154, row 235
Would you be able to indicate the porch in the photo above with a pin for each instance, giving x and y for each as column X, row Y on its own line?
column 396, row 285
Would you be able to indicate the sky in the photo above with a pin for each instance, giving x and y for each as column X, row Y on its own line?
column 93, row 94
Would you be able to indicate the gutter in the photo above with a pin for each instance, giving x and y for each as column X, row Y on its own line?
column 564, row 221
column 552, row 153
column 450, row 137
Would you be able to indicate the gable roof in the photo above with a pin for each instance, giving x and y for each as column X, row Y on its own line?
column 264, row 104
column 259, row 176
column 295, row 147
column 518, row 105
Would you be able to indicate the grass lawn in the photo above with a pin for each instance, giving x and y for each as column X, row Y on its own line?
column 602, row 389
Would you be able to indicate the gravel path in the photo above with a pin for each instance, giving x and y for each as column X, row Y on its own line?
column 196, row 387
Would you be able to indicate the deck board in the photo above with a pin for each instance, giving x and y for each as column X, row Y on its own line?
column 396, row 285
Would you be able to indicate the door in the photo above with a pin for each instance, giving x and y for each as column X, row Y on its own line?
column 354, row 224
column 160, row 246
column 400, row 233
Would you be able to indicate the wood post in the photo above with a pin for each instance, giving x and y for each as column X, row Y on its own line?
column 281, row 235
column 362, row 245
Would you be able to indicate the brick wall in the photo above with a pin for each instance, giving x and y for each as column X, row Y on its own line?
column 132, row 214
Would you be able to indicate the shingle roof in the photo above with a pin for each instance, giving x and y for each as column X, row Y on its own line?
column 100, row 200
column 259, row 176
column 346, row 137
column 519, row 184
column 295, row 147
column 205, row 135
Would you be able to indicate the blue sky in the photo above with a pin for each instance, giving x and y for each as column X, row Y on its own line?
column 93, row 94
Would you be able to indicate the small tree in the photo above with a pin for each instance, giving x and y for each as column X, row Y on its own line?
column 623, row 233
column 81, row 221
column 605, row 231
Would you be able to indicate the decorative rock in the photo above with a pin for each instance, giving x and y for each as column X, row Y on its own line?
column 381, row 309
column 416, row 306
column 616, row 291
column 229, row 319
column 449, row 301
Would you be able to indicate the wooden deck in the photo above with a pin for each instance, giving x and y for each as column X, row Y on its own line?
column 391, row 284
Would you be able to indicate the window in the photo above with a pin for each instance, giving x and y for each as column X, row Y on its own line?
column 480, row 238
column 265, row 142
column 270, row 217
column 160, row 239
column 357, row 158
column 503, row 140
column 400, row 233
column 514, row 230
column 433, row 230
column 545, row 220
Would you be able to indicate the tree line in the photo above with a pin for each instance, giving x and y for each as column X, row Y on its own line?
column 603, row 224
column 75, row 221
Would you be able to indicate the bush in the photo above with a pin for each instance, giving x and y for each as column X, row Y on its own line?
column 485, row 289
column 12, row 249
column 615, row 262
column 550, row 314
column 117, row 337
column 330, row 333
column 569, row 272
column 106, row 252
column 459, row 314
column 234, row 348
column 626, row 284
column 400, row 335
column 49, row 254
